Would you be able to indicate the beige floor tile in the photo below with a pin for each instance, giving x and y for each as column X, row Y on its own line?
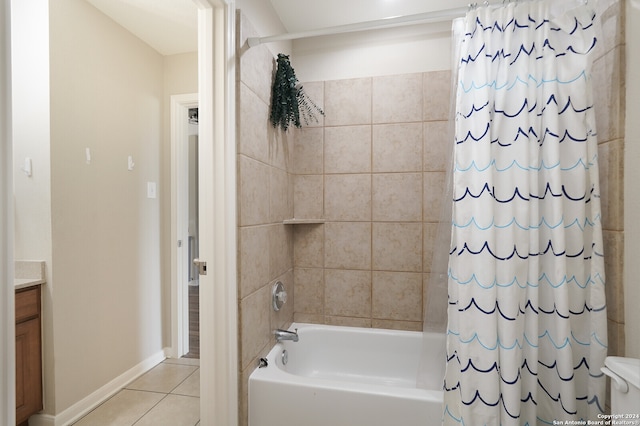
column 190, row 387
column 182, row 361
column 162, row 378
column 123, row 409
column 174, row 410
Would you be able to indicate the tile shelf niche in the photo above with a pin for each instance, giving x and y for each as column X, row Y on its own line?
column 302, row 221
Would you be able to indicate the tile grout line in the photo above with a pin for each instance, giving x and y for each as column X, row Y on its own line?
column 165, row 393
column 149, row 410
column 197, row 370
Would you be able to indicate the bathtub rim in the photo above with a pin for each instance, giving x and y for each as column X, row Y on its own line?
column 273, row 372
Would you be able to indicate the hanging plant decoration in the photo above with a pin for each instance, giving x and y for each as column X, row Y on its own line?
column 288, row 99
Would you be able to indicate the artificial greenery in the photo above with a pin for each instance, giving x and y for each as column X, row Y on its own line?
column 288, row 99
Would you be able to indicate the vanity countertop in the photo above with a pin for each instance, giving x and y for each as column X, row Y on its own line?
column 28, row 273
column 20, row 283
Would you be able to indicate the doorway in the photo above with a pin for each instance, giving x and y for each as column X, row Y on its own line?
column 193, row 279
column 185, row 226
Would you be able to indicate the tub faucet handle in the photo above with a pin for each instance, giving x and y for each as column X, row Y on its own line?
column 282, row 296
column 278, row 296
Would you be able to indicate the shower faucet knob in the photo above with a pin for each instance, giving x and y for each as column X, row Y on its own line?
column 278, row 296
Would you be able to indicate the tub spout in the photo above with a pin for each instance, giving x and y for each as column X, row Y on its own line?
column 286, row 335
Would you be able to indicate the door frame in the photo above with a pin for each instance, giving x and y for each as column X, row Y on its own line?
column 180, row 105
column 217, row 212
column 7, row 290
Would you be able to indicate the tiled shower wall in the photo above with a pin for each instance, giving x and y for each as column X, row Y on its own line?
column 609, row 94
column 264, row 181
column 375, row 163
column 374, row 168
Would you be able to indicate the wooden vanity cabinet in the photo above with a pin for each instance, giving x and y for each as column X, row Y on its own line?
column 28, row 354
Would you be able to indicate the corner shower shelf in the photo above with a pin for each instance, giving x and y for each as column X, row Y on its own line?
column 302, row 221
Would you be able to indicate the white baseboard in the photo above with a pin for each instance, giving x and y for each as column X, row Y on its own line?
column 82, row 407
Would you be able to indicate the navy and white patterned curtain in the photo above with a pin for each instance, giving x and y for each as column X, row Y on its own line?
column 527, row 318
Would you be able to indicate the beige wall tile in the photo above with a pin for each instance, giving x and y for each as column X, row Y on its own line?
column 347, row 293
column 612, row 24
column 281, row 204
column 347, row 102
column 614, row 270
column 255, row 332
column 397, row 147
column 397, row 325
column 253, row 259
column 437, row 91
column 347, row 197
column 397, row 98
column 347, row 321
column 397, row 197
column 243, row 390
column 309, row 290
column 395, row 194
column 308, row 151
column 397, row 296
column 281, row 148
column 315, row 93
column 434, row 189
column 430, row 234
column 435, row 295
column 611, row 170
column 347, row 149
column 308, row 246
column 438, row 147
column 608, row 91
column 301, row 317
column 280, row 249
column 254, row 62
column 343, row 155
column 347, row 245
column 616, row 337
column 258, row 203
column 397, row 247
column 308, row 197
column 253, row 126
column 254, row 191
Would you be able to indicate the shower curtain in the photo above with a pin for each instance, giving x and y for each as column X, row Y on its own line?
column 526, row 320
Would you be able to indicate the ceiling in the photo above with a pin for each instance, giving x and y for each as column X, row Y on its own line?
column 170, row 26
column 303, row 15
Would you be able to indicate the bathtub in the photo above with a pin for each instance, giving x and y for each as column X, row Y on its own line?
column 348, row 376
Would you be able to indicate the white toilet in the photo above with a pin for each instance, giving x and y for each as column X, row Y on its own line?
column 625, row 384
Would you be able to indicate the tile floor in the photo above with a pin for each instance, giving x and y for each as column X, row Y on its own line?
column 166, row 395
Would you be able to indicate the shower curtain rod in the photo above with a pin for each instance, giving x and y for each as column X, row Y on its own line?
column 427, row 17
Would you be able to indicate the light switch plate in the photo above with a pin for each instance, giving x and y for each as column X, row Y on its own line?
column 151, row 190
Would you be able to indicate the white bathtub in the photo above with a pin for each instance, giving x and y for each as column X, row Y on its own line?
column 347, row 376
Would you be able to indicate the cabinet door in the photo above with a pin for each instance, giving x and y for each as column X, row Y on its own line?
column 28, row 369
